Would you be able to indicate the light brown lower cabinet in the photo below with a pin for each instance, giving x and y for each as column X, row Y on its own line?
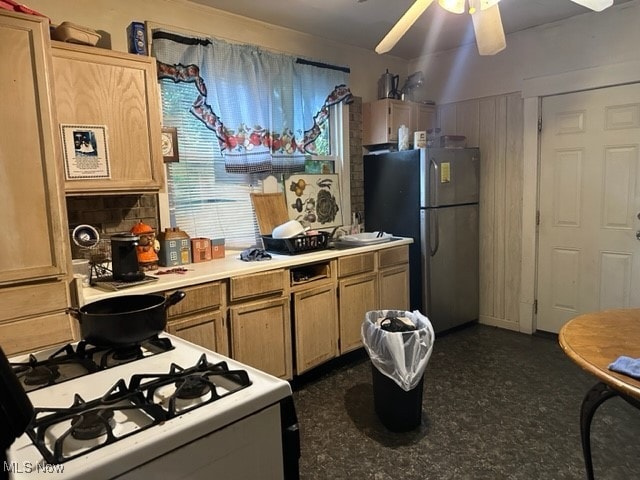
column 200, row 317
column 393, row 278
column 261, row 335
column 208, row 330
column 315, row 321
column 357, row 296
column 394, row 288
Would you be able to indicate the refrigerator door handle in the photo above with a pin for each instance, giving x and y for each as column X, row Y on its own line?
column 433, row 213
column 433, row 180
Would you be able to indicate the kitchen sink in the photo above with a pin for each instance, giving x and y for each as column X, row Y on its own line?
column 361, row 240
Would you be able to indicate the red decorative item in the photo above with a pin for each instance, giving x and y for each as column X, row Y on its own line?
column 16, row 7
column 200, row 250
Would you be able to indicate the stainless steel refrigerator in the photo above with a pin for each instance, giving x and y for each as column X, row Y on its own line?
column 431, row 195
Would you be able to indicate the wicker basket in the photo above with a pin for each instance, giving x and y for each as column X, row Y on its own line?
column 294, row 245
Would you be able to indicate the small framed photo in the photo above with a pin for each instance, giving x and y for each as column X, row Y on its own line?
column 170, row 144
column 85, row 150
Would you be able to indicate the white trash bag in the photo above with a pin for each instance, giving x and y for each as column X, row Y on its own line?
column 401, row 356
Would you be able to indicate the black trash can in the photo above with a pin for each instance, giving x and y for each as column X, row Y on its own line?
column 397, row 409
column 399, row 344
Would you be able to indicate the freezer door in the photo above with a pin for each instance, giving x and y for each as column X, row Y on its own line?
column 450, row 265
column 391, row 204
column 450, row 176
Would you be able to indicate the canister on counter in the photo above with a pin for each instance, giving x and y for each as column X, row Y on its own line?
column 175, row 247
column 200, row 249
column 217, row 248
column 419, row 139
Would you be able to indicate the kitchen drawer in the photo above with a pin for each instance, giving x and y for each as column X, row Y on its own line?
column 199, row 297
column 393, row 256
column 354, row 264
column 35, row 333
column 32, row 300
column 257, row 284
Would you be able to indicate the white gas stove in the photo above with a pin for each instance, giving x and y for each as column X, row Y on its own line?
column 171, row 409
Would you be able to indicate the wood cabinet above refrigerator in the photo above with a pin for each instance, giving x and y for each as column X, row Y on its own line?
column 115, row 93
column 382, row 118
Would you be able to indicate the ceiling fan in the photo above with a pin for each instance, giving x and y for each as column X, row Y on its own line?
column 485, row 15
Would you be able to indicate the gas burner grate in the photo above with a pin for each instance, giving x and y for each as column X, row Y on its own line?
column 58, row 432
column 62, row 434
column 177, row 391
column 68, row 362
column 64, row 364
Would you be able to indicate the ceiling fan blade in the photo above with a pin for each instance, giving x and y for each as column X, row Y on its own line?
column 487, row 25
column 401, row 27
column 597, row 5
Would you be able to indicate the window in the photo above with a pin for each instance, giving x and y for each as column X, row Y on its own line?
column 205, row 200
column 243, row 116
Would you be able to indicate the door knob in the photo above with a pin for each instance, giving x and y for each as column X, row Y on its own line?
column 638, row 234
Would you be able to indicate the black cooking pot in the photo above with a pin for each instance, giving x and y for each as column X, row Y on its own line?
column 124, row 320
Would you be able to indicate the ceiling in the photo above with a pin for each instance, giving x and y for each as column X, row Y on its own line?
column 363, row 23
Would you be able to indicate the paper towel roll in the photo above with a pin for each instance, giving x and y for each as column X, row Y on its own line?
column 403, row 138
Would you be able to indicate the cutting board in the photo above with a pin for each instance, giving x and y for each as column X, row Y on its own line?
column 271, row 211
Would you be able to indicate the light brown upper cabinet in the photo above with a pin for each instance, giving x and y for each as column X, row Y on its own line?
column 34, row 260
column 381, row 120
column 115, row 93
column 32, row 213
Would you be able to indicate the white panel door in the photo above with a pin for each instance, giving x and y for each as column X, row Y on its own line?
column 588, row 254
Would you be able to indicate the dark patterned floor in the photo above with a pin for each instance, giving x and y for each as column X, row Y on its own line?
column 496, row 405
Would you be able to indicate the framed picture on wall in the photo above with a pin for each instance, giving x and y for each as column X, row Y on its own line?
column 85, row 151
column 314, row 200
column 170, row 144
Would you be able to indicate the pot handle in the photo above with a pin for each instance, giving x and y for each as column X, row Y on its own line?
column 174, row 298
column 74, row 312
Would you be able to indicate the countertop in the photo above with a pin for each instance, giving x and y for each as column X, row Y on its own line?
column 229, row 267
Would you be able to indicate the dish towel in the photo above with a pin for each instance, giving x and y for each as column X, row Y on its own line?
column 627, row 365
column 254, row 255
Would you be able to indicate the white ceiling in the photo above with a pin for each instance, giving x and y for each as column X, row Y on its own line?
column 363, row 23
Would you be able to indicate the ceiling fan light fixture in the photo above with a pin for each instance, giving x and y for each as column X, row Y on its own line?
column 487, row 25
column 596, row 5
column 484, row 4
column 401, row 27
column 475, row 5
column 453, row 6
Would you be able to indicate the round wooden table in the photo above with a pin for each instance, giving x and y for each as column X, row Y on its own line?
column 594, row 341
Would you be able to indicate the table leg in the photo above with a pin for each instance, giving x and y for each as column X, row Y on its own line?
column 597, row 395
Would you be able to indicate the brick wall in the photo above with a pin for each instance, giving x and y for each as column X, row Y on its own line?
column 111, row 213
column 355, row 155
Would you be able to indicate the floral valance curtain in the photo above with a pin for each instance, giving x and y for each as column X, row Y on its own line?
column 265, row 108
